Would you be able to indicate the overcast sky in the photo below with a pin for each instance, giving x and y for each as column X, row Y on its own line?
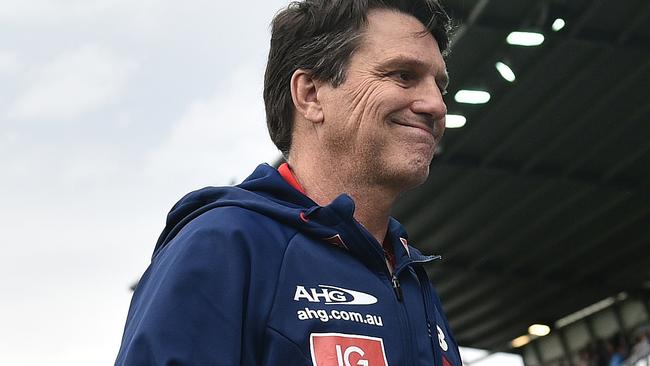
column 111, row 110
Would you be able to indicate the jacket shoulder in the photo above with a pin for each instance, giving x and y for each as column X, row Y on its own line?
column 215, row 279
column 233, row 227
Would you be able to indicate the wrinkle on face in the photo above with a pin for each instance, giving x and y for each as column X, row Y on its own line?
column 363, row 98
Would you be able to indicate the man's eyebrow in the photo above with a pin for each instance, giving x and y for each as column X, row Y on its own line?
column 442, row 78
column 404, row 61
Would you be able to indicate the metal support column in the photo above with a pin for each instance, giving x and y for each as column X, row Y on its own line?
column 565, row 347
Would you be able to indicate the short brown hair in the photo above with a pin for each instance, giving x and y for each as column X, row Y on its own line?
column 320, row 36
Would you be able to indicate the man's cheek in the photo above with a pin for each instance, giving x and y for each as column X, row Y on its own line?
column 365, row 98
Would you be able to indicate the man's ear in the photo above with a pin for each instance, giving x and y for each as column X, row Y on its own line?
column 304, row 93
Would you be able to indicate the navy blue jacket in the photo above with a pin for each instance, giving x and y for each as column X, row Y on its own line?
column 259, row 274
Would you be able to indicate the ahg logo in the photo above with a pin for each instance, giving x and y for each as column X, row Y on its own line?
column 337, row 349
column 333, row 295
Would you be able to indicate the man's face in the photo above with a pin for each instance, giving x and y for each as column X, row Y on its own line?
column 385, row 120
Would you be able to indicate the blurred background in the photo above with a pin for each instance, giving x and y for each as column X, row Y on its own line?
column 538, row 201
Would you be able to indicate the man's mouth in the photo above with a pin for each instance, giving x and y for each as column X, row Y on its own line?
column 427, row 126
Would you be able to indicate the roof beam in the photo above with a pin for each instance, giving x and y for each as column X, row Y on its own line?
column 541, row 280
column 522, row 308
column 604, row 101
column 549, row 174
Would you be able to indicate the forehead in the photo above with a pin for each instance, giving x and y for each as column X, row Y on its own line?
column 390, row 33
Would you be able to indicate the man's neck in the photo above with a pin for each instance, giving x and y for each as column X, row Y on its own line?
column 323, row 181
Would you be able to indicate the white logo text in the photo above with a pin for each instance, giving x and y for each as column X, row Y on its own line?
column 333, row 295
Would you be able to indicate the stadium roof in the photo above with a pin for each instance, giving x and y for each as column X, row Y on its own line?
column 540, row 204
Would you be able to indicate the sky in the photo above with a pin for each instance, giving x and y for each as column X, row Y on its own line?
column 110, row 111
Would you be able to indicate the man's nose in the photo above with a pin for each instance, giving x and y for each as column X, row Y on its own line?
column 429, row 100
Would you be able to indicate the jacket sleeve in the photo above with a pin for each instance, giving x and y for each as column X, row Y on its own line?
column 190, row 307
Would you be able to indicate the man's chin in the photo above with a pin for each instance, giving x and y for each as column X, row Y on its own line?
column 419, row 177
column 412, row 176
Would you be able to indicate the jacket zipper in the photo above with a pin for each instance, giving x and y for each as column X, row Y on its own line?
column 397, row 288
column 405, row 326
column 394, row 276
column 408, row 345
column 428, row 306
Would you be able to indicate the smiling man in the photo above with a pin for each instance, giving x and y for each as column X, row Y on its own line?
column 304, row 265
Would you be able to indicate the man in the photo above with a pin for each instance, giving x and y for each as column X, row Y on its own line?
column 303, row 265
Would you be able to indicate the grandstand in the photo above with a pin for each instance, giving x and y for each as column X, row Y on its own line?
column 540, row 203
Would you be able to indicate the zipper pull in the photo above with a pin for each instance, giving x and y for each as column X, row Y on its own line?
column 396, row 288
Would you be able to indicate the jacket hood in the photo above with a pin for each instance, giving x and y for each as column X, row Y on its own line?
column 265, row 191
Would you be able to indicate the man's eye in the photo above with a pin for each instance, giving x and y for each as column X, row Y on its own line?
column 404, row 76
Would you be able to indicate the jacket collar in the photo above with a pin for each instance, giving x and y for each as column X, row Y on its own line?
column 351, row 235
